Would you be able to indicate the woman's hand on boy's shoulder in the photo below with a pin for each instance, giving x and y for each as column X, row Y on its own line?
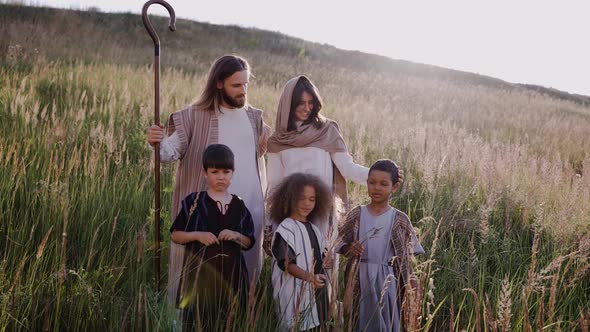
column 206, row 238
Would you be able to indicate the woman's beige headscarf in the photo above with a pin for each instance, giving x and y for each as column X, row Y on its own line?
column 327, row 137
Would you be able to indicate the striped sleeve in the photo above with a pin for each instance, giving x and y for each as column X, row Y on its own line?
column 349, row 229
column 181, row 123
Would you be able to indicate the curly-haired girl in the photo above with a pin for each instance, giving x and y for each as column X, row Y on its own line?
column 299, row 251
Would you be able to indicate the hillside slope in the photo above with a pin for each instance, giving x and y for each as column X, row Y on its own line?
column 121, row 38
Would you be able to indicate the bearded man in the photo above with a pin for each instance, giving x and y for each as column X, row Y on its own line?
column 220, row 115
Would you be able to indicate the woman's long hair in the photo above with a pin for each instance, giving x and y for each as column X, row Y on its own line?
column 221, row 69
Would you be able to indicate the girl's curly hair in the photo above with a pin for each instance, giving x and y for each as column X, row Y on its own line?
column 284, row 197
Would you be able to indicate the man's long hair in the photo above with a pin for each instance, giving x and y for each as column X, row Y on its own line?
column 221, row 69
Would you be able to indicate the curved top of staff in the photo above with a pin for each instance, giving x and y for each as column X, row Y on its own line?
column 148, row 24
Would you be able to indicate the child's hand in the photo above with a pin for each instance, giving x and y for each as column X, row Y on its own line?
column 318, row 281
column 206, row 238
column 328, row 260
column 355, row 249
column 228, row 235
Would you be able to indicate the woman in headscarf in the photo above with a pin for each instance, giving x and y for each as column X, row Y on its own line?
column 305, row 141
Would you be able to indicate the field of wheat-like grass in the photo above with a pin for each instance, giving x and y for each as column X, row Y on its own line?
column 497, row 183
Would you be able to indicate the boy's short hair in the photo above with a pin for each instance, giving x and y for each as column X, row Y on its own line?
column 218, row 156
column 389, row 166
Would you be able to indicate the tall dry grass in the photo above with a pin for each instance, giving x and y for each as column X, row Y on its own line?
column 496, row 182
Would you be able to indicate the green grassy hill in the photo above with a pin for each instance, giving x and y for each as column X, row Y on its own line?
column 496, row 174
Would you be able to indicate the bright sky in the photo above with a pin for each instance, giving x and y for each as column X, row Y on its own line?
column 523, row 41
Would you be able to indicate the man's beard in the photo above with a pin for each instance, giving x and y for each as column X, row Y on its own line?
column 231, row 101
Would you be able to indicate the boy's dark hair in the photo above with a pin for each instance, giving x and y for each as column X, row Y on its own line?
column 389, row 166
column 304, row 84
column 218, row 156
column 284, row 197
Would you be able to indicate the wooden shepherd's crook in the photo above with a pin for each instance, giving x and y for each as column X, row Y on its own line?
column 152, row 32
